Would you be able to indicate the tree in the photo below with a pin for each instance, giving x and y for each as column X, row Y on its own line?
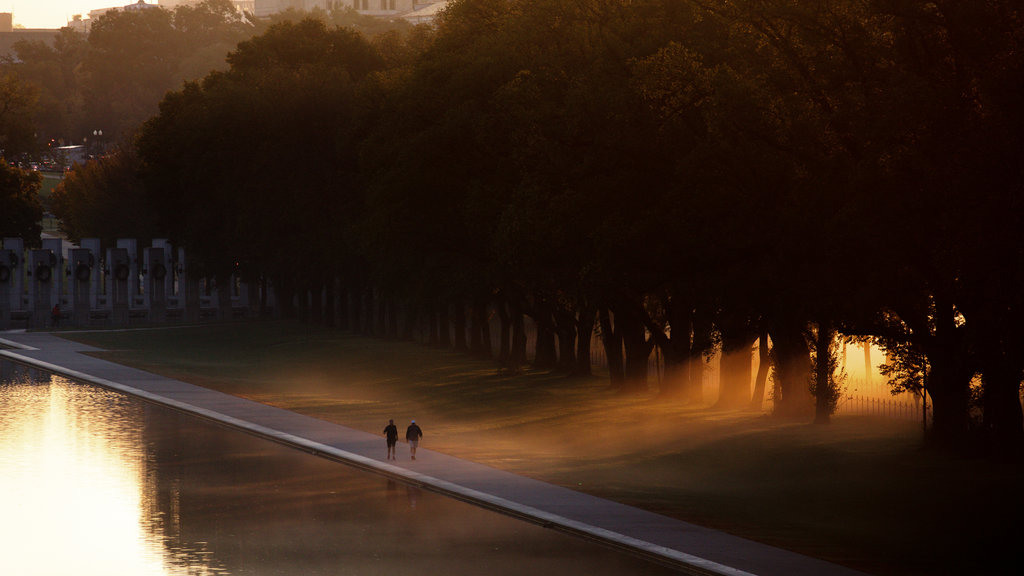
column 20, row 210
column 208, row 31
column 254, row 167
column 105, row 198
column 18, row 102
column 131, row 63
column 52, row 70
column 946, row 196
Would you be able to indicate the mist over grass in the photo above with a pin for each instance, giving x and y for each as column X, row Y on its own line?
column 860, row 492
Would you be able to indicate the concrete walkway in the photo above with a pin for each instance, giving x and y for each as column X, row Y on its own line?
column 693, row 549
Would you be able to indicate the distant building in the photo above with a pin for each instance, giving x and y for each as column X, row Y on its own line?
column 240, row 5
column 416, row 11
column 78, row 24
column 425, row 13
column 9, row 34
column 140, row 5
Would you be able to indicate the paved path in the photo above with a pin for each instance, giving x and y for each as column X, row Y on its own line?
column 693, row 549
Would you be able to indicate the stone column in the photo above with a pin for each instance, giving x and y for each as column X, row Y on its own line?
column 56, row 247
column 135, row 295
column 82, row 272
column 119, row 273
column 155, row 283
column 94, row 247
column 42, row 268
column 6, row 281
column 188, row 285
column 168, row 262
column 15, row 261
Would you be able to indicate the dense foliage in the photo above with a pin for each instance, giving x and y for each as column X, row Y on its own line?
column 97, row 88
column 686, row 175
column 20, row 211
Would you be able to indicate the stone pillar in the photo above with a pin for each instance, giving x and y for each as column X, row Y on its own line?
column 155, row 283
column 96, row 280
column 168, row 262
column 119, row 273
column 15, row 261
column 82, row 272
column 188, row 288
column 135, row 296
column 179, row 284
column 6, row 281
column 42, row 268
column 60, row 271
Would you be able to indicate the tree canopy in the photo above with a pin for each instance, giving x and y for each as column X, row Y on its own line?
column 687, row 176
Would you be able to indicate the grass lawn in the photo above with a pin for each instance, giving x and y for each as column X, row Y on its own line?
column 860, row 492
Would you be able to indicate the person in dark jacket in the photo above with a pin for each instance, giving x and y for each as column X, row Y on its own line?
column 391, row 436
column 413, row 435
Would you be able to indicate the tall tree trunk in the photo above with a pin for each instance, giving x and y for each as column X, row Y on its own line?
column 675, row 348
column 998, row 347
column 480, row 329
column 380, row 327
column 368, row 312
column 411, row 319
column 737, row 336
column 763, row 365
column 343, row 312
column 316, row 309
column 475, row 330
column 869, row 370
column 950, row 393
column 355, row 318
column 517, row 354
column 302, row 299
column 546, row 355
column 792, row 360
column 505, row 341
column 284, row 296
column 584, row 335
column 950, row 374
column 1001, row 400
column 637, row 348
column 393, row 307
column 611, row 339
column 702, row 341
column 444, row 334
column 736, row 371
column 565, row 329
column 825, row 391
column 459, row 308
column 433, row 329
column 330, row 302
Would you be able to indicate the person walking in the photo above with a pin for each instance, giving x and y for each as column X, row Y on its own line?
column 413, row 435
column 391, row 436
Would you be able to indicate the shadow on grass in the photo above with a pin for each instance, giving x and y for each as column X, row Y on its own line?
column 860, row 492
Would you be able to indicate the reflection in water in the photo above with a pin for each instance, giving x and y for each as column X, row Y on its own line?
column 93, row 482
column 73, row 481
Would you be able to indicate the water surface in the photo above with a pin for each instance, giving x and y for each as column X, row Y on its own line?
column 96, row 482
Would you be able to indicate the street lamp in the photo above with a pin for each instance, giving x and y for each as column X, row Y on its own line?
column 92, row 150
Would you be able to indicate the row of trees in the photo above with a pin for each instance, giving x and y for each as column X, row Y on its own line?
column 102, row 85
column 687, row 175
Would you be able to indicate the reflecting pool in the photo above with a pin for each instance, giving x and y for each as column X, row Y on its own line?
column 96, row 482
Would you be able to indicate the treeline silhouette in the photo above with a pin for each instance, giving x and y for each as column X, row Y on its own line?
column 689, row 175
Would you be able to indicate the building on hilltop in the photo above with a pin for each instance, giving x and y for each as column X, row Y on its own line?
column 140, row 5
column 243, row 6
column 9, row 35
column 416, row 11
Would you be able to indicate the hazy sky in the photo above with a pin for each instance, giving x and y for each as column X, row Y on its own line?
column 55, row 13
